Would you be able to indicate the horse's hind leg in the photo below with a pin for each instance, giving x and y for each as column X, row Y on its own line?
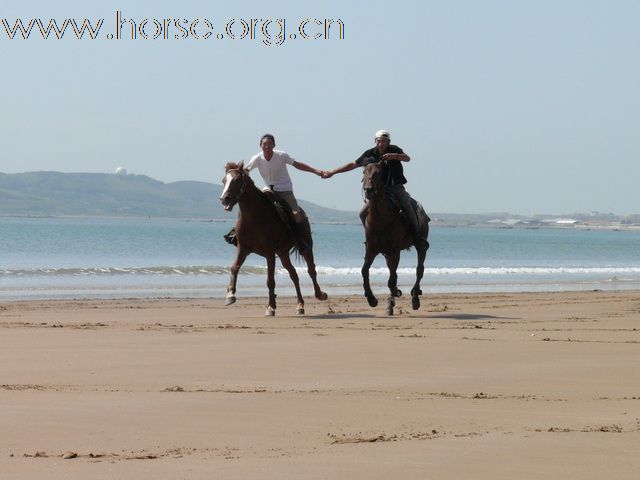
column 308, row 257
column 311, row 269
column 271, row 285
column 241, row 256
column 392, row 262
column 286, row 263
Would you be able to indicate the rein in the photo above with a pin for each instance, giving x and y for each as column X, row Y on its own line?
column 244, row 182
column 364, row 197
column 376, row 186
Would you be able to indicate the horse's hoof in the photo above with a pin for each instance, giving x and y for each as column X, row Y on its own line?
column 391, row 302
column 373, row 301
column 322, row 296
column 415, row 303
column 230, row 300
column 271, row 312
column 300, row 311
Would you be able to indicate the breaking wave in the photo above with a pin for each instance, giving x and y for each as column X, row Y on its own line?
column 322, row 270
column 493, row 271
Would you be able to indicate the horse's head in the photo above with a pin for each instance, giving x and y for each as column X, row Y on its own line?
column 234, row 184
column 372, row 181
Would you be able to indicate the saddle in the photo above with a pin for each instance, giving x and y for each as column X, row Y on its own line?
column 421, row 215
column 286, row 215
column 282, row 208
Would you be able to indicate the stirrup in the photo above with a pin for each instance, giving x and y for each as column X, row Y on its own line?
column 231, row 238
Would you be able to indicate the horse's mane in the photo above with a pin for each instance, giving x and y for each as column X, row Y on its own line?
column 233, row 166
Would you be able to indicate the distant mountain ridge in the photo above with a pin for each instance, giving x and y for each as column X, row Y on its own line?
column 50, row 194
column 102, row 194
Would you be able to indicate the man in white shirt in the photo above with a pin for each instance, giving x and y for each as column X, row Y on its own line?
column 272, row 165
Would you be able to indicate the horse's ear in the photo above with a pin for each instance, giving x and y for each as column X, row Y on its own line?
column 228, row 167
column 241, row 165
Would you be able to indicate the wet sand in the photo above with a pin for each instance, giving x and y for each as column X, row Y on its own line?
column 513, row 386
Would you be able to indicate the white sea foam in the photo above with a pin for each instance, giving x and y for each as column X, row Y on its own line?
column 322, row 270
column 492, row 271
column 42, row 258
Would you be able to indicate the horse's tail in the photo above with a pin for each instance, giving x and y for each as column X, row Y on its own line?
column 295, row 252
column 302, row 233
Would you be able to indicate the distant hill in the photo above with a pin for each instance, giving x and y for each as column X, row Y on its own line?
column 101, row 194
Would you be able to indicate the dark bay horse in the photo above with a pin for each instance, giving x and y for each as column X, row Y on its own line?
column 260, row 229
column 387, row 232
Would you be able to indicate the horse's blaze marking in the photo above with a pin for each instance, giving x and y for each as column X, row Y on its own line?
column 227, row 182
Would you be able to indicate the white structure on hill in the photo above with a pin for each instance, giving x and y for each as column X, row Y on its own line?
column 121, row 171
column 561, row 221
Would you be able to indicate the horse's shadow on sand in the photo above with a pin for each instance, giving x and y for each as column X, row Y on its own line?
column 340, row 316
column 464, row 316
column 423, row 316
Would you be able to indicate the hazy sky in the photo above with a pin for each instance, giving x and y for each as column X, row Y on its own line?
column 519, row 106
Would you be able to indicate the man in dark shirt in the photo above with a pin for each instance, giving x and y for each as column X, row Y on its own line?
column 393, row 173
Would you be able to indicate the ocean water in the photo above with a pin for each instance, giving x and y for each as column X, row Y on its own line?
column 44, row 258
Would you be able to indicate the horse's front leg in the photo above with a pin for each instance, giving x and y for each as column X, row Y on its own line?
column 271, row 285
column 369, row 256
column 392, row 263
column 241, row 256
column 415, row 291
column 286, row 263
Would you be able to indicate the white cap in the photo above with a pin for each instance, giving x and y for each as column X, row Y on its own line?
column 383, row 134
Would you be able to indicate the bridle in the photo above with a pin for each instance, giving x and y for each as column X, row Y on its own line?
column 243, row 185
column 375, row 184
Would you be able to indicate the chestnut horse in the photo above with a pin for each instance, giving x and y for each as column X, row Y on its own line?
column 260, row 229
column 388, row 232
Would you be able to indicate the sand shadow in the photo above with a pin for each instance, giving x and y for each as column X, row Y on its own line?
column 399, row 316
column 339, row 316
column 468, row 316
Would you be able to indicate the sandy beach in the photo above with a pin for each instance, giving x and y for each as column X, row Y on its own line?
column 512, row 386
